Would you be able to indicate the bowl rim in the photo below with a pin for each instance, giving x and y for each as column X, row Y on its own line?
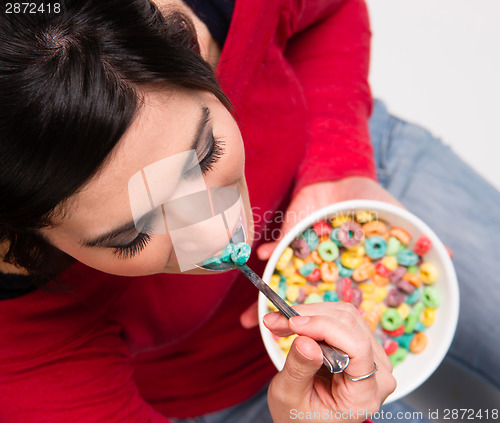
column 350, row 205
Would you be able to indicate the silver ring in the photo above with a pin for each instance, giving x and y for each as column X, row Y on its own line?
column 357, row 379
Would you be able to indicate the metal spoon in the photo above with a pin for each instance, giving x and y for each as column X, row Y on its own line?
column 334, row 359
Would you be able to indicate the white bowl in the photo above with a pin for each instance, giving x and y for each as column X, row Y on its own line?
column 416, row 368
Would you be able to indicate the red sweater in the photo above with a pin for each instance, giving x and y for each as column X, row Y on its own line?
column 119, row 349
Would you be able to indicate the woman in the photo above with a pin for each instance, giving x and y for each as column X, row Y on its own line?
column 94, row 93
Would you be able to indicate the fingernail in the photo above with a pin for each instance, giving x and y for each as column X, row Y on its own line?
column 271, row 317
column 300, row 320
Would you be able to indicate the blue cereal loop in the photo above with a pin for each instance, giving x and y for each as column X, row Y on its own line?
column 241, row 253
column 375, row 247
column 311, row 238
column 212, row 260
column 407, row 258
column 307, row 269
column 226, row 254
column 334, row 236
column 413, row 298
column 345, row 272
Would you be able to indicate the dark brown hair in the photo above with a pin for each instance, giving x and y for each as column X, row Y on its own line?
column 69, row 88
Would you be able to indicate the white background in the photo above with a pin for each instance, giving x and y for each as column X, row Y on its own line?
column 437, row 63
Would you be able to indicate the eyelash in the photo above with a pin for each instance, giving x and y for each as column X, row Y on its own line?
column 136, row 246
column 216, row 152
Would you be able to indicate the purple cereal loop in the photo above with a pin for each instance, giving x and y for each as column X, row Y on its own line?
column 340, row 289
column 405, row 286
column 357, row 296
column 394, row 297
column 397, row 274
column 302, row 296
column 300, row 248
column 347, row 228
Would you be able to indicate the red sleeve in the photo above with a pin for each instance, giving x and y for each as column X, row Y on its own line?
column 88, row 380
column 330, row 55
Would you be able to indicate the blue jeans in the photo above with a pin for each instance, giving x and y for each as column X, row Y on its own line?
column 464, row 211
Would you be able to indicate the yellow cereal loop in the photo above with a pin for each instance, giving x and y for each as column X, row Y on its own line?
column 284, row 259
column 428, row 316
column 367, row 288
column 296, row 279
column 286, row 342
column 274, row 282
column 367, row 305
column 357, row 251
column 350, row 261
column 404, row 310
column 271, row 306
column 289, row 271
column 326, row 286
column 339, row 220
column 364, row 216
column 390, row 262
column 429, row 273
column 379, row 294
column 298, row 263
column 292, row 293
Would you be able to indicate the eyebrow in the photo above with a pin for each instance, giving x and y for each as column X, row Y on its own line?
column 105, row 239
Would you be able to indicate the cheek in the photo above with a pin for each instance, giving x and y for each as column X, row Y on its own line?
column 155, row 258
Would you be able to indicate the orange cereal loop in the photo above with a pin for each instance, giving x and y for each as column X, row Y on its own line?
column 418, row 343
column 316, row 258
column 309, row 289
column 414, row 278
column 324, row 238
column 384, row 236
column 372, row 319
column 380, row 280
column 399, row 233
column 364, row 272
column 375, row 227
column 329, row 271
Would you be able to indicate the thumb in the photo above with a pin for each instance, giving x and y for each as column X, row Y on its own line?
column 302, row 363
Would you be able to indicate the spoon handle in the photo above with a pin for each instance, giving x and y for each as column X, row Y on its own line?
column 334, row 359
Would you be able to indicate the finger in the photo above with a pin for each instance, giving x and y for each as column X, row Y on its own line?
column 302, row 363
column 250, row 317
column 265, row 251
column 348, row 337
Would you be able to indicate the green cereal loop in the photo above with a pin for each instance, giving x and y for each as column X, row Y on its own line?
column 398, row 356
column 393, row 245
column 431, row 297
column 313, row 298
column 328, row 251
column 413, row 318
column 241, row 253
column 413, row 269
column 226, row 254
column 307, row 269
column 391, row 319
